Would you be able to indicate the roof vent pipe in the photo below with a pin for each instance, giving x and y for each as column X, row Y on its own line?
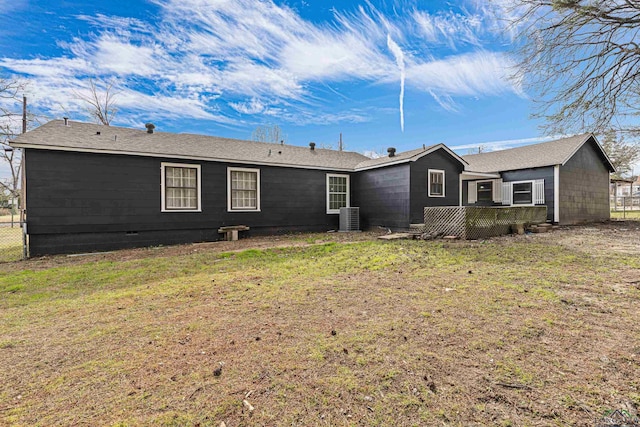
column 150, row 127
column 312, row 145
column 391, row 151
column 66, row 121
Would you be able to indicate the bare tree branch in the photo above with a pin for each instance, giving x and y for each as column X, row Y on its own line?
column 269, row 133
column 623, row 155
column 100, row 103
column 10, row 123
column 582, row 60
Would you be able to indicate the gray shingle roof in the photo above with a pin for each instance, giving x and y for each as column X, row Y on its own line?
column 531, row 156
column 89, row 137
column 398, row 158
column 80, row 136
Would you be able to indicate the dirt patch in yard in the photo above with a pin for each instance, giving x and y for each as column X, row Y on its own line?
column 541, row 329
column 616, row 237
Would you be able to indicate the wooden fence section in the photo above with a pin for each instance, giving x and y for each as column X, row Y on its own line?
column 474, row 222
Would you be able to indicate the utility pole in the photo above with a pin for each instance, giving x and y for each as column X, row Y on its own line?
column 24, row 114
column 340, row 143
column 23, row 189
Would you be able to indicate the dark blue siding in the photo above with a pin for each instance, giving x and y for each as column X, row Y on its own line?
column 420, row 199
column 88, row 202
column 383, row 196
column 545, row 173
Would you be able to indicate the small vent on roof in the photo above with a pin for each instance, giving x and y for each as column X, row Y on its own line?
column 150, row 127
column 312, row 145
column 66, row 121
column 391, row 151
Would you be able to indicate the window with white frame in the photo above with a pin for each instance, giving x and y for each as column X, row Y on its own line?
column 485, row 191
column 436, row 183
column 243, row 189
column 337, row 192
column 180, row 184
column 522, row 193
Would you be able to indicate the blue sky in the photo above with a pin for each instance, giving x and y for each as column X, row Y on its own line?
column 382, row 73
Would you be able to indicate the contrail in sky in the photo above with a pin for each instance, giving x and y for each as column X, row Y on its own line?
column 397, row 52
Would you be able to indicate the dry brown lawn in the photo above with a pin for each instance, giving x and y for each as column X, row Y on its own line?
column 327, row 329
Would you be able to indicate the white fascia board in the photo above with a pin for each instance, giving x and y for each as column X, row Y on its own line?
column 470, row 175
column 556, row 194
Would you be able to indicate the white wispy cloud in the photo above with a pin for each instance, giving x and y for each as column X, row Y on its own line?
column 507, row 143
column 216, row 60
column 473, row 74
column 450, row 28
column 254, row 106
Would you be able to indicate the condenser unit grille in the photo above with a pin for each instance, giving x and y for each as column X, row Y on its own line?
column 349, row 219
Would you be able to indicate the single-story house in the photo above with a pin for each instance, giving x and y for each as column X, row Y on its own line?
column 94, row 188
column 569, row 175
column 90, row 187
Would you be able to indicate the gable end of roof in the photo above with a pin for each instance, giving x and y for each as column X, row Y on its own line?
column 605, row 157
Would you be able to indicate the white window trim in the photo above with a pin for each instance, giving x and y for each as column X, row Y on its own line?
column 556, row 193
column 257, row 172
column 335, row 175
column 530, row 181
column 163, row 202
column 493, row 184
column 429, row 182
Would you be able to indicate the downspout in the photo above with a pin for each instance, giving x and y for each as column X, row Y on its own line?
column 556, row 194
column 460, row 188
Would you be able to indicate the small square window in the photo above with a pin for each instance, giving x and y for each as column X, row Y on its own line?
column 523, row 193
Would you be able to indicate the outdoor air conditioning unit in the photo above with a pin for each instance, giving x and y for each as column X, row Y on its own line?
column 349, row 219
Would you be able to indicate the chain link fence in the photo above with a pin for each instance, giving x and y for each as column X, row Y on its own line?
column 12, row 240
column 625, row 207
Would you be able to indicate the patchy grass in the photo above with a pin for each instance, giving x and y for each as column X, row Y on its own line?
column 625, row 215
column 514, row 331
column 10, row 243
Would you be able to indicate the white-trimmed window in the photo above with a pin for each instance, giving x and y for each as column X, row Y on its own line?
column 522, row 193
column 484, row 191
column 243, row 190
column 337, row 192
column 180, row 187
column 436, row 183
